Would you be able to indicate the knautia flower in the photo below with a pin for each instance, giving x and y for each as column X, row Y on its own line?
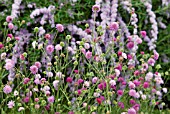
column 60, row 27
column 34, row 69
column 11, row 104
column 50, row 49
column 7, row 89
column 96, row 8
column 9, row 64
column 51, row 99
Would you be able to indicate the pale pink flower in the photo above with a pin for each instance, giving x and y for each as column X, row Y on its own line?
column 50, row 49
column 34, row 69
column 58, row 47
column 9, row 19
column 9, row 64
column 38, row 64
column 7, row 89
column 11, row 104
column 114, row 26
column 143, row 33
column 96, row 8
column 51, row 99
column 151, row 61
column 10, row 26
column 60, row 27
column 132, row 111
column 88, row 54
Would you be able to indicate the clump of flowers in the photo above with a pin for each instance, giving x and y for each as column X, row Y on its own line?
column 96, row 70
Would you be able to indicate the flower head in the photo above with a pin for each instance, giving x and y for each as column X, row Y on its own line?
column 96, row 8
column 7, row 89
column 11, row 104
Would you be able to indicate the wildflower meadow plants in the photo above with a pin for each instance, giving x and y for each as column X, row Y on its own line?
column 57, row 68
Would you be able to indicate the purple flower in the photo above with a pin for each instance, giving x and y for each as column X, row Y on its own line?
column 132, row 92
column 120, row 92
column 7, row 89
column 69, row 79
column 60, row 27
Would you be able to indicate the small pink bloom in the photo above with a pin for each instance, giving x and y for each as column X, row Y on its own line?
column 88, row 31
column 114, row 26
column 120, row 92
column 17, row 38
column 37, row 106
column 142, row 52
column 139, row 40
column 7, row 89
column 26, row 80
column 60, row 27
column 151, row 61
column 145, row 85
column 34, row 69
column 10, row 35
column 88, row 54
column 10, row 26
column 58, row 47
column 130, row 45
column 11, row 104
column 50, row 49
column 38, row 64
column 36, row 99
column 156, row 55
column 132, row 111
column 96, row 8
column 143, row 33
column 51, row 99
column 22, row 57
column 26, row 99
column 9, row 64
column 132, row 92
column 1, row 45
column 69, row 79
column 47, row 36
column 136, row 73
column 9, row 19
column 132, row 102
column 94, row 80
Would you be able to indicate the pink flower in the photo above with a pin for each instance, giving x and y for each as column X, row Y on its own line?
column 9, row 19
column 50, row 49
column 9, row 64
column 11, row 104
column 38, row 64
column 102, row 85
column 131, row 111
column 145, row 85
column 60, row 27
column 130, row 45
column 10, row 26
column 22, row 57
column 80, row 81
column 156, row 55
column 58, row 47
column 51, row 99
column 88, row 31
column 114, row 26
column 136, row 73
column 132, row 92
column 145, row 66
column 37, row 106
column 69, row 79
column 47, row 36
column 143, row 33
column 120, row 92
column 94, row 80
column 70, row 112
column 36, row 99
column 151, row 61
column 34, row 69
column 7, row 89
column 26, row 99
column 37, row 81
column 1, row 45
column 121, row 105
column 26, row 80
column 10, row 35
column 88, row 54
column 96, row 8
column 139, row 40
column 99, row 101
column 132, row 102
